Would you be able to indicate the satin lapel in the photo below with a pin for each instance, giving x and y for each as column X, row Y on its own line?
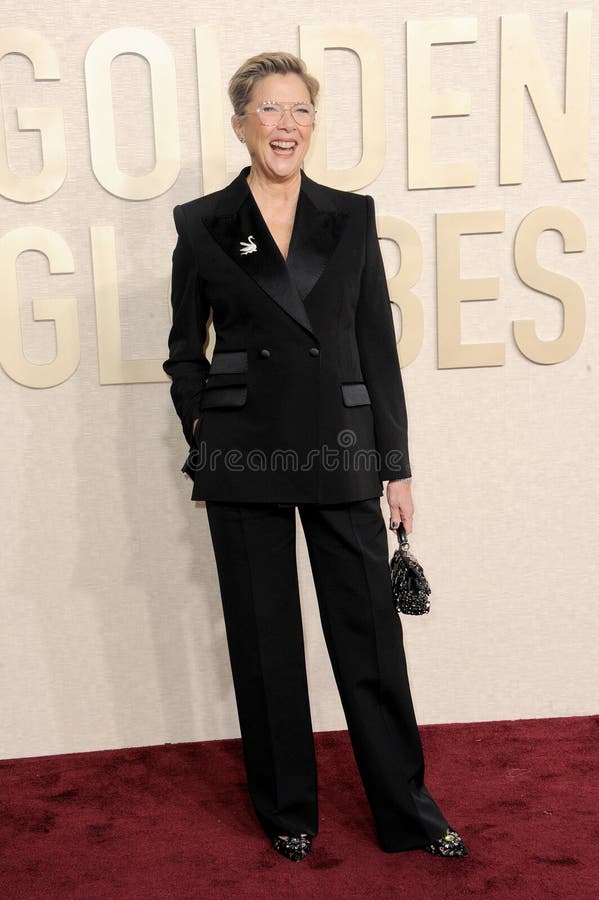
column 242, row 231
column 316, row 233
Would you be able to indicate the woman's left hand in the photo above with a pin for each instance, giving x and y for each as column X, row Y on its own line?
column 401, row 505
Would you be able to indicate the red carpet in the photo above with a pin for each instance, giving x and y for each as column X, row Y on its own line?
column 175, row 821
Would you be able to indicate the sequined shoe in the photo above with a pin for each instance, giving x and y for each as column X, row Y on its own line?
column 294, row 847
column 449, row 844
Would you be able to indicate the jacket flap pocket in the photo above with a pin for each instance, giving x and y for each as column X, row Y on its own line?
column 355, row 394
column 224, row 396
column 228, row 362
column 225, row 380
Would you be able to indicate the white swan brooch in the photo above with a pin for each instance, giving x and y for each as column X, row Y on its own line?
column 248, row 246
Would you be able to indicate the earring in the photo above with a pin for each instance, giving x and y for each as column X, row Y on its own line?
column 242, row 140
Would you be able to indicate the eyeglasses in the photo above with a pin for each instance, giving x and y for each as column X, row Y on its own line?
column 271, row 112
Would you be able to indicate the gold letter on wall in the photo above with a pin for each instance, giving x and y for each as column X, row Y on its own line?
column 98, row 61
column 49, row 123
column 212, row 123
column 424, row 106
column 410, row 269
column 315, row 40
column 453, row 290
column 113, row 368
column 63, row 312
column 564, row 289
column 566, row 126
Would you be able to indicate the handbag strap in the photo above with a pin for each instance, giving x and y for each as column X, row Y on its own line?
column 402, row 537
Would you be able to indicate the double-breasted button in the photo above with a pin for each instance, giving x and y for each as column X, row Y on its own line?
column 264, row 353
column 314, row 351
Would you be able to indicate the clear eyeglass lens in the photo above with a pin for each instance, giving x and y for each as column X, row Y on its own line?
column 272, row 113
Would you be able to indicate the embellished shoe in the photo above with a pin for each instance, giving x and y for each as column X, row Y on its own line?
column 449, row 844
column 294, row 847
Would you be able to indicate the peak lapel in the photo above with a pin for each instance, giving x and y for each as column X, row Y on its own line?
column 317, row 231
column 242, row 233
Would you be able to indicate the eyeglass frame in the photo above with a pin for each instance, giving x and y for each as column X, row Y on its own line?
column 286, row 107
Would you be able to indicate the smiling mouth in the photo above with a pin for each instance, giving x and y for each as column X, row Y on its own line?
column 283, row 148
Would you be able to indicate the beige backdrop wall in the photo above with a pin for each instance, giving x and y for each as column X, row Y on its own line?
column 111, row 627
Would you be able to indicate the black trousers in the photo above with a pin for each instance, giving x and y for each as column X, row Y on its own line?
column 254, row 546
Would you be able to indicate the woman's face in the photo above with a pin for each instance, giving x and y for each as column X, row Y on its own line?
column 277, row 151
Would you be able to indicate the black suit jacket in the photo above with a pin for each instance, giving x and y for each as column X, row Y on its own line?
column 303, row 400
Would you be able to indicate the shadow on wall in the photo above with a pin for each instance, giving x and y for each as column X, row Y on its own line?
column 146, row 559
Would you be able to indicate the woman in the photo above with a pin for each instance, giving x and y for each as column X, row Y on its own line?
column 302, row 405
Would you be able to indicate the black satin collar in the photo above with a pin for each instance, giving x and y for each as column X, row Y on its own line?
column 239, row 227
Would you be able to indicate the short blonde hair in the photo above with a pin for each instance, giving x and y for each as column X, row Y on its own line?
column 257, row 67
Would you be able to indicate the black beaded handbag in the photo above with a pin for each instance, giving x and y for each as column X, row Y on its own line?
column 409, row 585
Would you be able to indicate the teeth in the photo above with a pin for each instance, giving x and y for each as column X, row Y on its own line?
column 284, row 145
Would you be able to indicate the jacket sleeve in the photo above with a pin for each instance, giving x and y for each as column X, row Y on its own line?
column 379, row 360
column 187, row 364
